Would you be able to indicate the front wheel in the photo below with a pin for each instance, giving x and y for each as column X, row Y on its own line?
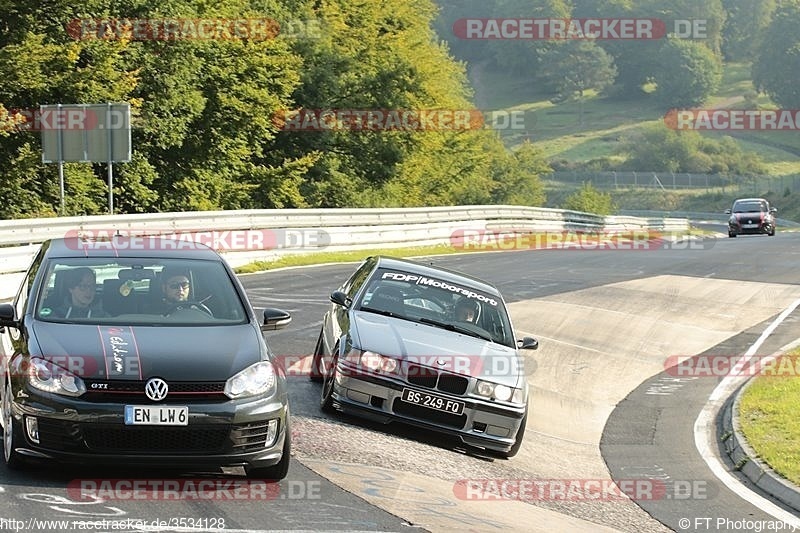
column 10, row 439
column 317, row 370
column 326, row 399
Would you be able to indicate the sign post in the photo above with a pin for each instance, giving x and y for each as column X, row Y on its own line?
column 86, row 133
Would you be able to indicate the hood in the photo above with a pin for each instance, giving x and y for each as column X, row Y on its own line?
column 141, row 352
column 755, row 216
column 434, row 347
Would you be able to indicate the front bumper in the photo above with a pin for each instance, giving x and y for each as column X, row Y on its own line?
column 230, row 433
column 483, row 423
column 754, row 228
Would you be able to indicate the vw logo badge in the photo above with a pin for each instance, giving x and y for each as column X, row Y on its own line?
column 156, row 389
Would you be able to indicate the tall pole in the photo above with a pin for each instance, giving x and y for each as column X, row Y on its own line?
column 110, row 158
column 60, row 144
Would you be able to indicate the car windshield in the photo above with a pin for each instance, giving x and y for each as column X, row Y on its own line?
column 439, row 303
column 749, row 207
column 138, row 292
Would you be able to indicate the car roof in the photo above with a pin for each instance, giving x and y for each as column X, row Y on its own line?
column 151, row 246
column 442, row 273
column 750, row 200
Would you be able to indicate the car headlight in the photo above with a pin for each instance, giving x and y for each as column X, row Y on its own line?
column 49, row 377
column 374, row 362
column 499, row 392
column 255, row 380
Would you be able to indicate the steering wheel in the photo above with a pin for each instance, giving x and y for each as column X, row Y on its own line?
column 189, row 304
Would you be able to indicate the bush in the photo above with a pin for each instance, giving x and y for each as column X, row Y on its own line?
column 589, row 200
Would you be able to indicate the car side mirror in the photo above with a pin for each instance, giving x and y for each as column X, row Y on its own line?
column 340, row 298
column 528, row 343
column 7, row 313
column 275, row 319
column 727, row 211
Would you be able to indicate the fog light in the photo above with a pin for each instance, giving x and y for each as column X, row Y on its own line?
column 272, row 432
column 32, row 426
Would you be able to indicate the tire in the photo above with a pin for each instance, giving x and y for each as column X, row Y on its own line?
column 326, row 398
column 731, row 235
column 518, row 442
column 771, row 233
column 277, row 471
column 11, row 457
column 315, row 374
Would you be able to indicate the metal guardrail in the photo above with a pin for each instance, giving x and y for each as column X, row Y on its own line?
column 295, row 231
column 691, row 215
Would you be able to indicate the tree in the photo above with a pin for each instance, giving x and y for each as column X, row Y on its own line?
column 587, row 199
column 778, row 62
column 519, row 177
column 526, row 56
column 689, row 73
column 577, row 66
column 745, row 26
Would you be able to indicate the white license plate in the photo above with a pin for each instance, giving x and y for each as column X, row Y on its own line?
column 749, row 226
column 433, row 402
column 152, row 415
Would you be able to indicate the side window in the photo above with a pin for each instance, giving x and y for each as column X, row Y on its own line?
column 21, row 302
column 352, row 285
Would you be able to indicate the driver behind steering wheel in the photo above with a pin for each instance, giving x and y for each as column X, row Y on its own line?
column 176, row 286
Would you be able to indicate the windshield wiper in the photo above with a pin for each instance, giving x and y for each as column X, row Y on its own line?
column 381, row 312
column 456, row 328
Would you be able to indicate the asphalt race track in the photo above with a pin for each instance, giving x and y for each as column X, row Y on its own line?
column 601, row 406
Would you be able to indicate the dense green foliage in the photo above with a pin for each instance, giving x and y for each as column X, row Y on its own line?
column 635, row 62
column 778, row 62
column 206, row 111
column 662, row 149
column 745, row 27
column 587, row 199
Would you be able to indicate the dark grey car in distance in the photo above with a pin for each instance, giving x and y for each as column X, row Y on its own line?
column 422, row 345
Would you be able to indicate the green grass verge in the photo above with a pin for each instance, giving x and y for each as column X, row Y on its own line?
column 769, row 421
column 487, row 244
column 343, row 257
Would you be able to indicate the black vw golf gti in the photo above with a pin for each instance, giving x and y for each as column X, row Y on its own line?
column 140, row 351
